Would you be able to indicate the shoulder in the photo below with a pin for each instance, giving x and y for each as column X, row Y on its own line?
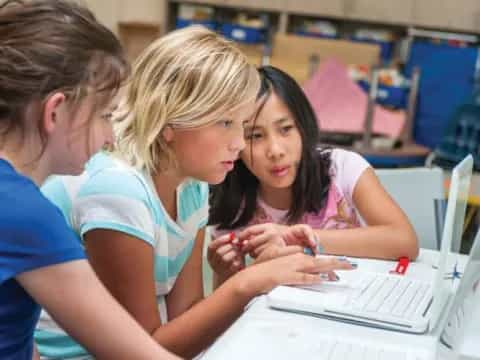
column 106, row 176
column 346, row 168
column 345, row 161
column 194, row 191
column 31, row 218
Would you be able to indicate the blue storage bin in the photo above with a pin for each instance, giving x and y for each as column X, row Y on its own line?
column 318, row 35
column 446, row 81
column 243, row 34
column 429, row 130
column 386, row 47
column 209, row 24
column 388, row 95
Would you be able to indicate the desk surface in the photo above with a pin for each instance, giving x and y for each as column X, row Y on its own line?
column 261, row 326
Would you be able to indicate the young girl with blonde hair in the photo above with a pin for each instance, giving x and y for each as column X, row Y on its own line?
column 141, row 211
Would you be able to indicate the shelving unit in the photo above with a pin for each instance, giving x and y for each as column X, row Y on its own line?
column 445, row 15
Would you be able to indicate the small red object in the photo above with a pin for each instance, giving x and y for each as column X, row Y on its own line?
column 231, row 236
column 402, row 266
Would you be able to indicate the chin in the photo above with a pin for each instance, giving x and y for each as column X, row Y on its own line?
column 212, row 178
column 280, row 184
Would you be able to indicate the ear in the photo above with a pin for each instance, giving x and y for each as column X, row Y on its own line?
column 168, row 134
column 52, row 111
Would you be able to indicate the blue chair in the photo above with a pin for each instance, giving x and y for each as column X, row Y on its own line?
column 461, row 137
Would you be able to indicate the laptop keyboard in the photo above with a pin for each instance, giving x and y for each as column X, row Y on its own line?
column 391, row 295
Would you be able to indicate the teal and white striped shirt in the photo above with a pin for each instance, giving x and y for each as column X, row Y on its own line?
column 113, row 195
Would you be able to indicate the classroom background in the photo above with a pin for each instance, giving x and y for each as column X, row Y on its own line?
column 397, row 81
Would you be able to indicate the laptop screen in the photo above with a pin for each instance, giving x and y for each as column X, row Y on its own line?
column 452, row 234
column 464, row 304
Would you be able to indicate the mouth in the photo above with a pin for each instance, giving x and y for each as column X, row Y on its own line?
column 279, row 171
column 228, row 165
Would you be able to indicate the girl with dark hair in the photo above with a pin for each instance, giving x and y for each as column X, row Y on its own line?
column 283, row 178
column 59, row 72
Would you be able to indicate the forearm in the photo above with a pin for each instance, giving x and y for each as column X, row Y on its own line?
column 35, row 355
column 380, row 241
column 198, row 327
column 218, row 280
column 61, row 289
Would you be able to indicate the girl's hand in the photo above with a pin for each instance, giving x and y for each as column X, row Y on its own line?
column 274, row 251
column 291, row 269
column 257, row 238
column 224, row 256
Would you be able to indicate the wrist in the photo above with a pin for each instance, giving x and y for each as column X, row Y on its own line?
column 245, row 286
column 319, row 247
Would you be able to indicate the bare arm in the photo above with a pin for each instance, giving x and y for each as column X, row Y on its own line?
column 35, row 355
column 72, row 294
column 388, row 235
column 125, row 264
column 188, row 288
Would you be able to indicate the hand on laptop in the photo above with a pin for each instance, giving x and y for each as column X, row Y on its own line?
column 255, row 239
column 291, row 269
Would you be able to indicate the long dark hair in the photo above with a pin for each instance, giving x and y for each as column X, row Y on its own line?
column 233, row 202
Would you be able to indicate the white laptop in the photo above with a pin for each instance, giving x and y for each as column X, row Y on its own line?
column 258, row 337
column 384, row 300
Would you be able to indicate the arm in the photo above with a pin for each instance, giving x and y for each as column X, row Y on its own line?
column 35, row 355
column 188, row 288
column 125, row 264
column 388, row 235
column 225, row 258
column 75, row 298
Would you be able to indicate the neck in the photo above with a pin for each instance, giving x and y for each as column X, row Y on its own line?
column 276, row 198
column 26, row 162
column 166, row 184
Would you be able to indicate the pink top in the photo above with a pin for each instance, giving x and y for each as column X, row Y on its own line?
column 339, row 212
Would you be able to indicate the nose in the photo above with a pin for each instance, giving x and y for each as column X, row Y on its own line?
column 274, row 148
column 109, row 136
column 237, row 142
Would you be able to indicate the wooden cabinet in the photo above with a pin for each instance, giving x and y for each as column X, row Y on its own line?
column 447, row 15
column 383, row 11
column 202, row 2
column 269, row 5
column 466, row 15
column 455, row 15
column 334, row 8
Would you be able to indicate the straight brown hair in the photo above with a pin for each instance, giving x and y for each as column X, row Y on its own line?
column 53, row 45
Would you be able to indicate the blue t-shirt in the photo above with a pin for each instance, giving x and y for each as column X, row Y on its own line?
column 33, row 234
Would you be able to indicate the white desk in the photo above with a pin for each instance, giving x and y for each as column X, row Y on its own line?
column 263, row 333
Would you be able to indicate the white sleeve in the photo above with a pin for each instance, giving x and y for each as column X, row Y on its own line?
column 348, row 167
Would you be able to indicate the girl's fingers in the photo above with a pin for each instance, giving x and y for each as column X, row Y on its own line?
column 219, row 241
column 279, row 251
column 224, row 249
column 302, row 234
column 323, row 265
column 228, row 257
column 254, row 242
column 332, row 276
column 300, row 278
column 251, row 231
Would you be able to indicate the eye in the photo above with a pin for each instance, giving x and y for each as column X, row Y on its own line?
column 253, row 136
column 285, row 129
column 107, row 117
column 226, row 123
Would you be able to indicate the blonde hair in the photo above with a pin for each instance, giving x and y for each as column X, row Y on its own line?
column 186, row 79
